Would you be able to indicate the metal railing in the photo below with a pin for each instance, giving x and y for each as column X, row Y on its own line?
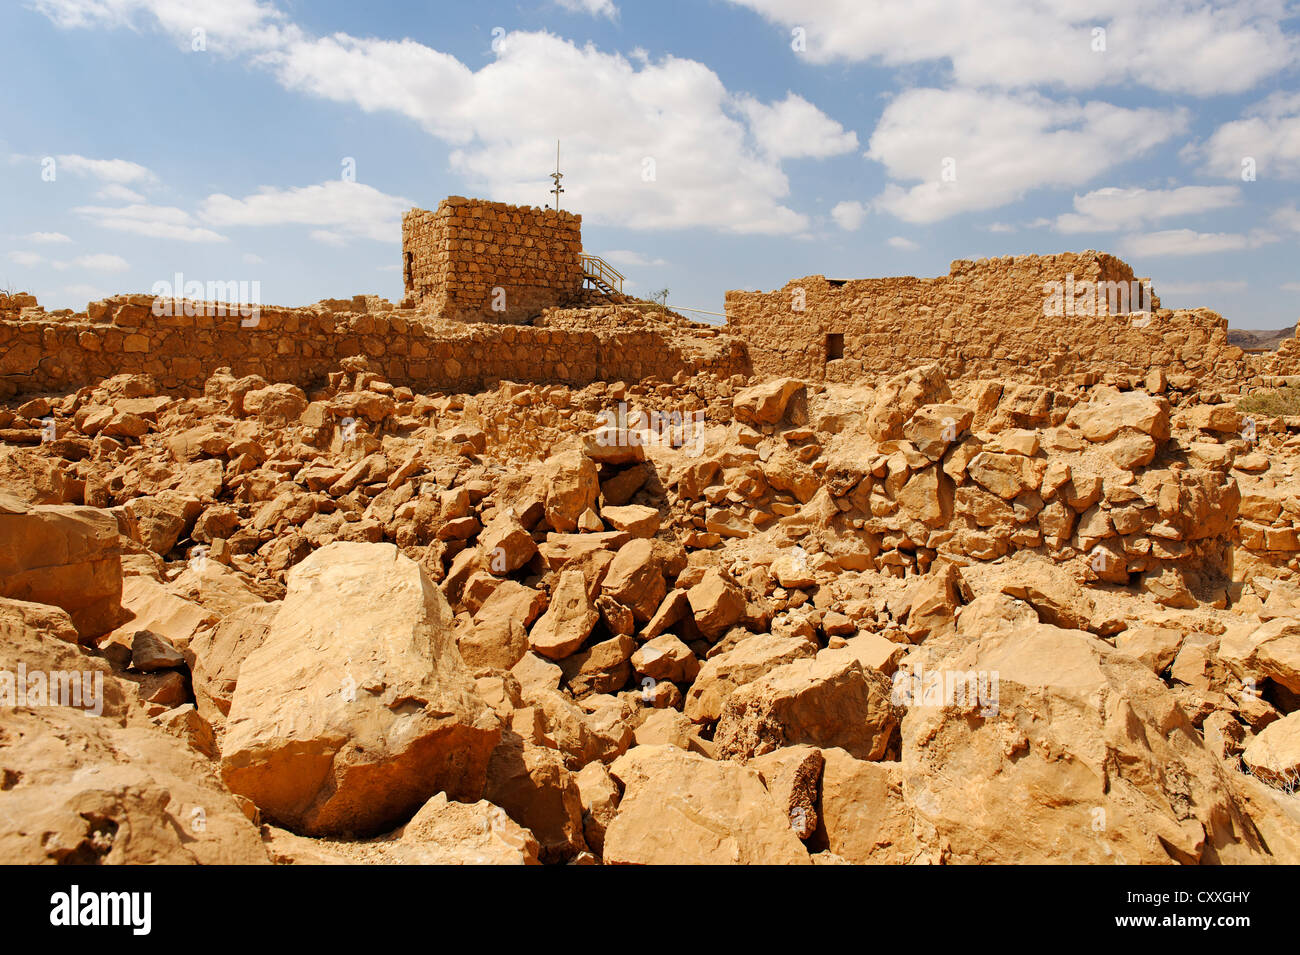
column 601, row 272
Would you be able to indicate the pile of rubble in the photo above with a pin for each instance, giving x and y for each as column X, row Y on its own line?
column 712, row 620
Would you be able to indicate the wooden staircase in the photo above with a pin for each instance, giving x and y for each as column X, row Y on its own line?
column 600, row 275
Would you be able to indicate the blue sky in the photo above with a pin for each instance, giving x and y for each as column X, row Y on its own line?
column 709, row 145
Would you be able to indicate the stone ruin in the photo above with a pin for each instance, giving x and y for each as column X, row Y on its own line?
column 989, row 318
column 443, row 582
column 476, row 261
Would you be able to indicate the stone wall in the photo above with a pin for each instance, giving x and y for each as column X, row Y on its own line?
column 302, row 345
column 986, row 318
column 1279, row 367
column 476, row 261
column 16, row 305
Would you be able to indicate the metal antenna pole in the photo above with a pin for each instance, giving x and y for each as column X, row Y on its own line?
column 557, row 176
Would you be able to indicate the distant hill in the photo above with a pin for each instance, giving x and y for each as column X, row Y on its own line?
column 1259, row 338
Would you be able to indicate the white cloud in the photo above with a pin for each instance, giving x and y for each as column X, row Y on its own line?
column 993, row 148
column 1268, row 133
column 794, row 127
column 597, row 8
column 229, row 26
column 1172, row 242
column 157, row 222
column 326, row 237
column 249, row 258
column 1111, row 209
column 1182, row 46
column 1288, row 217
column 1290, row 286
column 632, row 259
column 674, row 148
column 46, row 238
column 348, row 209
column 102, row 262
column 1000, row 227
column 106, row 170
column 115, row 192
column 98, row 262
column 849, row 214
column 670, row 150
column 903, row 244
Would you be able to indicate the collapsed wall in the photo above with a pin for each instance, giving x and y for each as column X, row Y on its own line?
column 1279, row 367
column 471, row 260
column 302, row 345
column 986, row 318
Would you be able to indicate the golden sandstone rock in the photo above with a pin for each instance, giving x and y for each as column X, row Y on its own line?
column 356, row 708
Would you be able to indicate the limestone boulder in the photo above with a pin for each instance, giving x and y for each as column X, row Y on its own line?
column 600, row 797
column 1084, row 755
column 792, row 776
column 357, row 707
column 455, row 833
column 767, row 402
column 571, row 486
column 935, row 428
column 722, row 675
column 84, row 790
column 1053, row 593
column 42, row 663
column 928, row 497
column 717, row 604
column 825, row 702
column 636, row 519
column 1006, row 475
column 666, row 658
column 505, row 544
column 1274, row 755
column 151, row 652
column 443, row 832
column 635, row 579
column 537, row 791
column 603, row 667
column 1269, row 651
column 898, row 399
column 158, row 522
column 216, row 654
column 567, row 621
column 680, row 808
column 280, row 403
column 1155, row 646
column 1109, row 411
column 864, row 817
column 65, row 555
column 499, row 637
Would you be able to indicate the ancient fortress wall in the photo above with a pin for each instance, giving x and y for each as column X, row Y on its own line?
column 986, row 318
column 303, row 345
column 478, row 261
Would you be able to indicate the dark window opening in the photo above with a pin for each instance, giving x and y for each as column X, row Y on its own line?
column 834, row 346
column 406, row 269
